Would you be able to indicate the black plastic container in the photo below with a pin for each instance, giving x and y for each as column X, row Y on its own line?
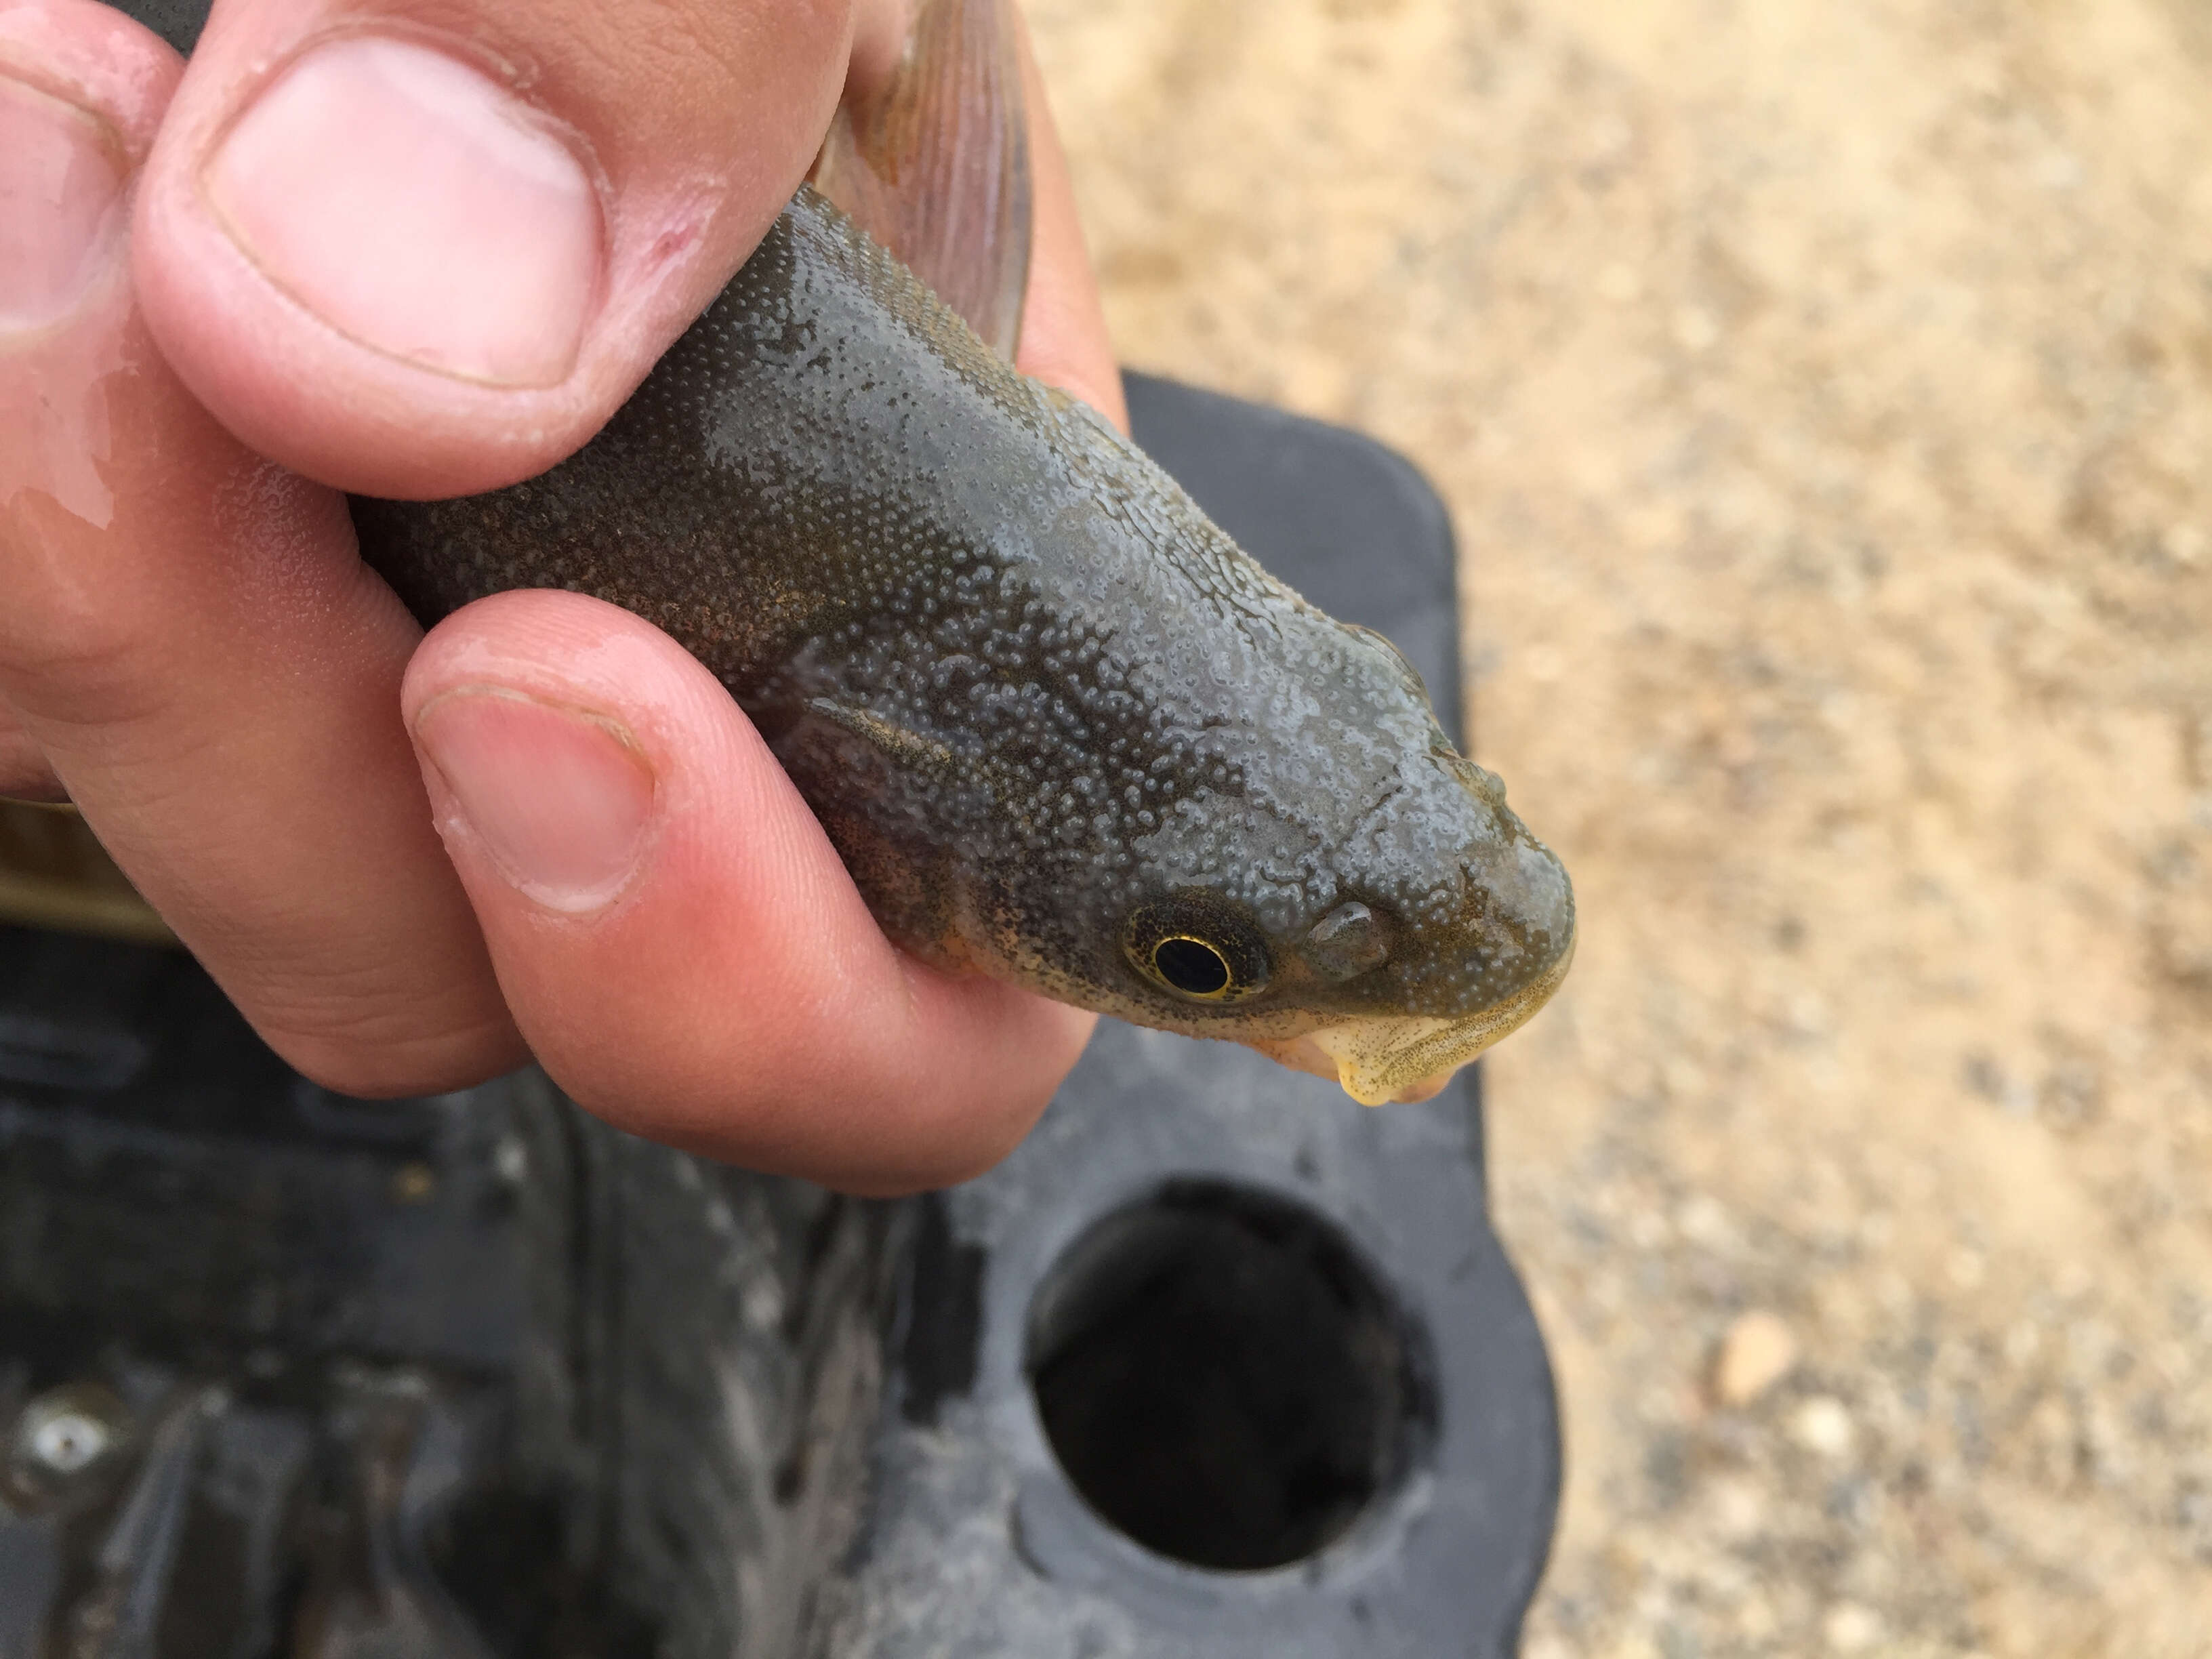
column 1217, row 1363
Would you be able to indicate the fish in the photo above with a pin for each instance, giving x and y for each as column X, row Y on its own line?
column 1062, row 729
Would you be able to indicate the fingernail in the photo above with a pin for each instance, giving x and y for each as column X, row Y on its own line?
column 418, row 207
column 60, row 182
column 558, row 800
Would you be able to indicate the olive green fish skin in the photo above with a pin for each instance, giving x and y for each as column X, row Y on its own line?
column 1028, row 688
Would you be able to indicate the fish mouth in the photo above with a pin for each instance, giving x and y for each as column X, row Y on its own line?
column 1381, row 1059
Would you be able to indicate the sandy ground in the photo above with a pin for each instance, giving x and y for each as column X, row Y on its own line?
column 1823, row 394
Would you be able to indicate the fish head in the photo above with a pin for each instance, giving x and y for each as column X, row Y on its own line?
column 1357, row 899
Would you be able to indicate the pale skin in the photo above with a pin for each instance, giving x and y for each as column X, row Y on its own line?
column 415, row 861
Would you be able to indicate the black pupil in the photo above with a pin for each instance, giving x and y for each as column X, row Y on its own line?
column 1195, row 970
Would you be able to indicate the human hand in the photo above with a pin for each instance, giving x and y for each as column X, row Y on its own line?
column 190, row 648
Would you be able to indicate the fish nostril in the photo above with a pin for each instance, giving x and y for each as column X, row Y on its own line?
column 1488, row 785
column 1477, row 779
column 1346, row 942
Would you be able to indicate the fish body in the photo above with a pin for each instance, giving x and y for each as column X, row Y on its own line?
column 1060, row 728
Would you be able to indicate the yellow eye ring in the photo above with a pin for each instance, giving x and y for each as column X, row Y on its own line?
column 1192, row 966
column 1200, row 946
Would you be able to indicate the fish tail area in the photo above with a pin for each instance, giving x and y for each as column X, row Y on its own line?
column 935, row 164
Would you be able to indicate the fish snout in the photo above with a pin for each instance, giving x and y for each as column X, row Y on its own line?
column 1531, row 899
column 1518, row 911
column 1468, row 982
column 1472, row 943
column 1516, row 899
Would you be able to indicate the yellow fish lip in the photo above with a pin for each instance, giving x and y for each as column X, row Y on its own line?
column 1385, row 1058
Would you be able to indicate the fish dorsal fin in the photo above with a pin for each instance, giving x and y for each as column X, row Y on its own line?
column 909, row 749
column 936, row 166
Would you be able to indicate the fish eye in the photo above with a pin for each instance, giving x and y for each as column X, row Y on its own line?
column 1197, row 946
column 1192, row 966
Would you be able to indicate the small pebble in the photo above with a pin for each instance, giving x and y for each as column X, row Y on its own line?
column 1821, row 1424
column 1850, row 1628
column 1739, row 1511
column 1702, row 1221
column 1695, row 329
column 1755, row 1354
column 413, row 1183
column 1621, row 285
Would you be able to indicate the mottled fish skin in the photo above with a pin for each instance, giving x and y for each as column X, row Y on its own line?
column 1049, row 712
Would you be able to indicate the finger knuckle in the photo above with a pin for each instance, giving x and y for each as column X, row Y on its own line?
column 381, row 1042
column 72, row 654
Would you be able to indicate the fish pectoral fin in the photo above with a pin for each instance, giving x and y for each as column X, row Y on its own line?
column 909, row 749
column 935, row 164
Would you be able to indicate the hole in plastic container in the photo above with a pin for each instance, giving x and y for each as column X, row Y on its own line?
column 1223, row 1379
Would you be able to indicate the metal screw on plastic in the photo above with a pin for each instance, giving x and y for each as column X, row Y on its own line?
column 62, row 1437
column 68, row 1440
